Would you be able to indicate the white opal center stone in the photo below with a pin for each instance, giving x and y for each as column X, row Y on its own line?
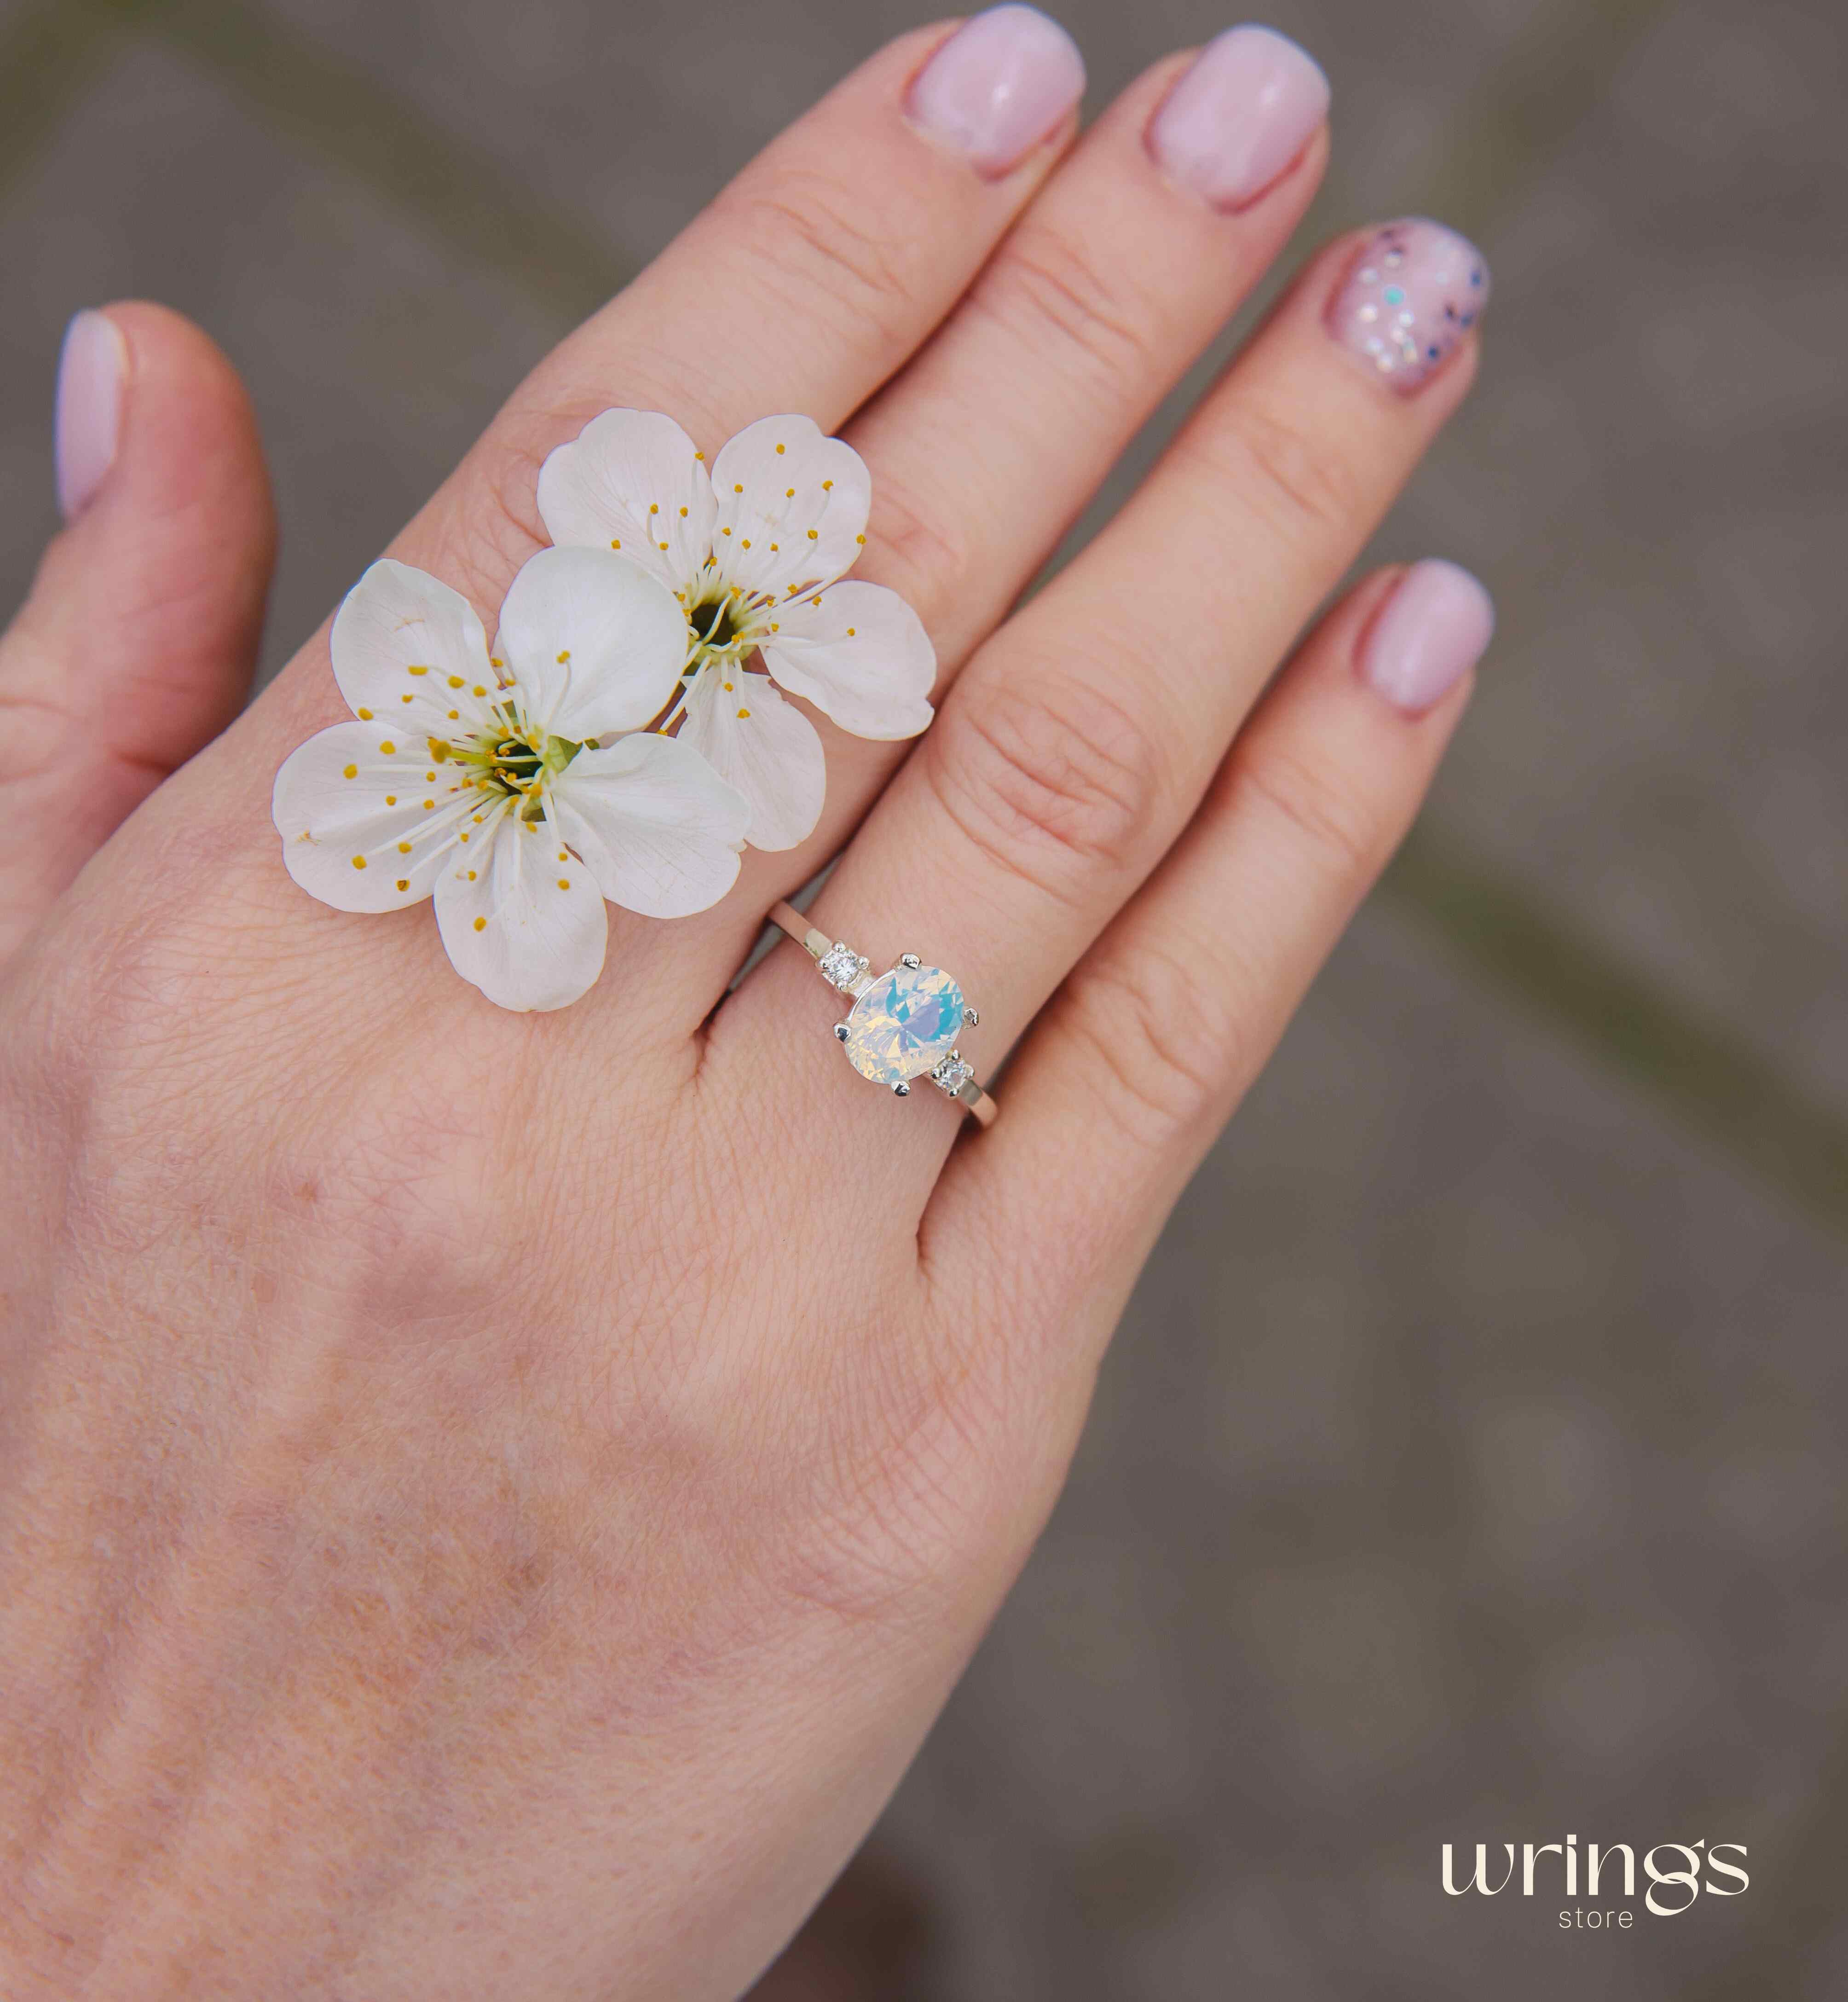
column 903, row 1022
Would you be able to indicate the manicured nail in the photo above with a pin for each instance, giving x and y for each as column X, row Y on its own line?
column 1239, row 116
column 1001, row 83
column 1428, row 635
column 91, row 371
column 1413, row 291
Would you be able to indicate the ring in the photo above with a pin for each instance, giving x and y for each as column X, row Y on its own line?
column 904, row 1023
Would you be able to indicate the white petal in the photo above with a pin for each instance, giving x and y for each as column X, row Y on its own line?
column 631, row 481
column 655, row 825
column 408, row 651
column 526, row 929
column 792, row 505
column 860, row 655
column 594, row 643
column 365, row 818
column 756, row 741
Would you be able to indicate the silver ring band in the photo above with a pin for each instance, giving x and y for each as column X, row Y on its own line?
column 901, row 1020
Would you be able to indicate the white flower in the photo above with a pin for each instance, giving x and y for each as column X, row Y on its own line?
column 754, row 554
column 492, row 783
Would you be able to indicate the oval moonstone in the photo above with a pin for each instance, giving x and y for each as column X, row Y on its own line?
column 904, row 1022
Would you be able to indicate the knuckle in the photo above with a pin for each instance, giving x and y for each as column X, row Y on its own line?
column 1300, row 481
column 38, row 725
column 1048, row 779
column 1167, row 1039
column 485, row 523
column 807, row 239
column 1048, row 284
column 1314, row 809
column 898, row 1498
column 918, row 549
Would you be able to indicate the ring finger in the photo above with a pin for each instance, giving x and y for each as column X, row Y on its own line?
column 1078, row 741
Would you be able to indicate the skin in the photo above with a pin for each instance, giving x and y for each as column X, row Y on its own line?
column 491, row 1504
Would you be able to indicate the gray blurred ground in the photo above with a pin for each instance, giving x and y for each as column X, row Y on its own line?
column 1469, row 1466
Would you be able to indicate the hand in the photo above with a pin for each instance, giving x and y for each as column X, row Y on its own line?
column 492, row 1501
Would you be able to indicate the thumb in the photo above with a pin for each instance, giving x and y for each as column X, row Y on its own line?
column 136, row 644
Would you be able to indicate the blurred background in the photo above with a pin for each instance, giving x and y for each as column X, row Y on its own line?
column 1469, row 1465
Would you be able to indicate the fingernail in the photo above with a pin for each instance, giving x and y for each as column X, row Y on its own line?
column 1412, row 292
column 999, row 86
column 91, row 369
column 1239, row 116
column 1429, row 634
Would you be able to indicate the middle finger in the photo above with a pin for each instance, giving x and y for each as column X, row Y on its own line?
column 982, row 452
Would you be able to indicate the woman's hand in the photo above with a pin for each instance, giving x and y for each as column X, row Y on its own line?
column 492, row 1501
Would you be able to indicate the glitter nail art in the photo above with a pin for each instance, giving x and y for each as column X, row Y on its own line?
column 1410, row 295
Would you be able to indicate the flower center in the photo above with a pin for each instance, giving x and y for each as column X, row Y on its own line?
column 715, row 623
column 512, row 760
column 724, row 622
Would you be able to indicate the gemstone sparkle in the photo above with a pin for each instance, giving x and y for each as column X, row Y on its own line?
column 903, row 1024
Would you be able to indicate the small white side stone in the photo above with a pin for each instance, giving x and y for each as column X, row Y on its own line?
column 841, row 965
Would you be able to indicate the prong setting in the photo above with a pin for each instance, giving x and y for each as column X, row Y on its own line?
column 901, row 1090
column 840, row 1032
column 970, row 1018
column 910, row 959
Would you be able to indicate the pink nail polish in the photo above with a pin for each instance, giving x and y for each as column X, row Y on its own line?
column 1410, row 294
column 1239, row 116
column 1430, row 632
column 1001, row 83
column 92, row 369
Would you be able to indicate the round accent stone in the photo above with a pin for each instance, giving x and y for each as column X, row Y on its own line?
column 903, row 1024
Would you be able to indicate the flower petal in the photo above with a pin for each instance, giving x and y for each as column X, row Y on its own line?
column 655, row 825
column 860, row 655
column 526, row 929
column 792, row 505
column 631, row 481
column 756, row 742
column 410, row 651
column 594, row 643
column 366, row 819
